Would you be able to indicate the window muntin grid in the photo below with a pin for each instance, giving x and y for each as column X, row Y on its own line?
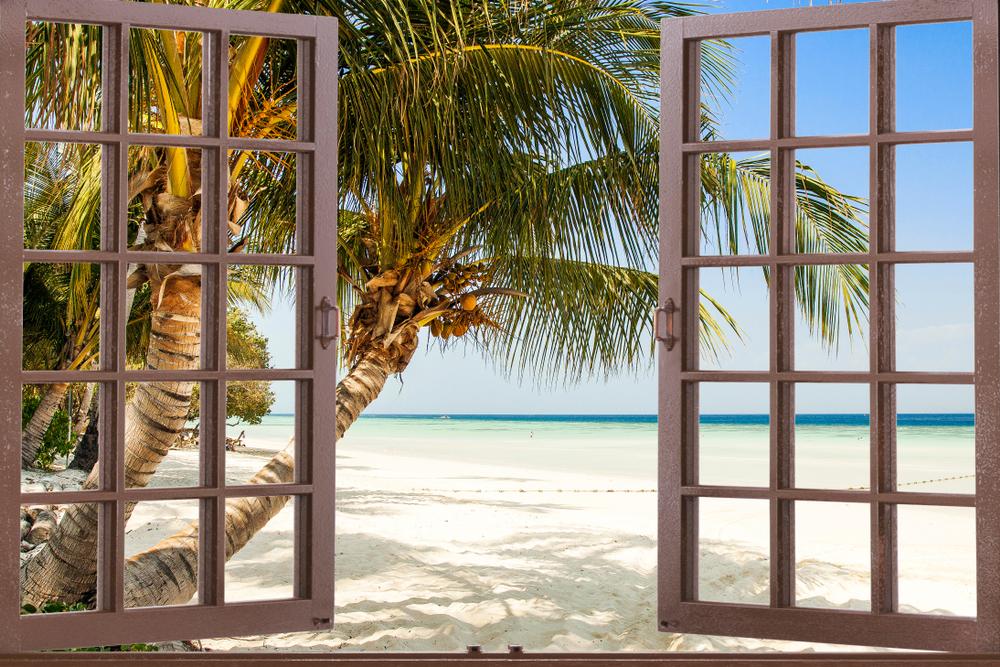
column 312, row 489
column 680, row 376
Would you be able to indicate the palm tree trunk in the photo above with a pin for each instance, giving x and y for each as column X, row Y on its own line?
column 34, row 432
column 165, row 574
column 83, row 414
column 65, row 567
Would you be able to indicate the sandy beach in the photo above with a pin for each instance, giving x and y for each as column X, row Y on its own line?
column 439, row 547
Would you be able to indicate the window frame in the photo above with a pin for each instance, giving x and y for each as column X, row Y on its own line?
column 678, row 374
column 315, row 265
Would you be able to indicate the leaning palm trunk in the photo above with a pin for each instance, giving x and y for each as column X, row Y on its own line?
column 166, row 574
column 83, row 415
column 34, row 431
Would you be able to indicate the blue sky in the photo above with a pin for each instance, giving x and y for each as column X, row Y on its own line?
column 934, row 211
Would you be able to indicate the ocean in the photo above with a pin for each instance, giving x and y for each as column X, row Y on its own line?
column 935, row 452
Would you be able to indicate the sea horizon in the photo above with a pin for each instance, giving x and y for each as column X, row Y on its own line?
column 810, row 419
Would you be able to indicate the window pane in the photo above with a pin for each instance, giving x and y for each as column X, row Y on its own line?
column 59, row 435
column 165, row 215
column 61, row 316
column 934, row 317
column 831, row 317
column 833, row 555
column 733, row 433
column 50, row 532
column 832, row 433
column 733, row 548
column 934, row 76
column 63, row 76
column 262, row 327
column 161, row 422
column 734, row 311
column 62, row 196
column 934, row 197
column 267, row 68
column 260, row 422
column 736, row 87
column 831, row 204
column 165, row 81
column 728, row 224
column 831, row 82
column 937, row 560
column 263, row 195
column 264, row 569
column 935, row 438
column 151, row 525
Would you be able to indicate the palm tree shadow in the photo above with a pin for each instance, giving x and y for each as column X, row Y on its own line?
column 545, row 590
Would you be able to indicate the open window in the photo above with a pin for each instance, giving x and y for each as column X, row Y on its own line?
column 201, row 220
column 784, row 503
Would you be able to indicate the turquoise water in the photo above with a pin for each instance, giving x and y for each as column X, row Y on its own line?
column 935, row 452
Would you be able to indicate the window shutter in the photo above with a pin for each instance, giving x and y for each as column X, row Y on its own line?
column 686, row 499
column 109, row 615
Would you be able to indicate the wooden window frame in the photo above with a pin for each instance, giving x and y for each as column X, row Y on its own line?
column 680, row 609
column 12, row 138
column 315, row 265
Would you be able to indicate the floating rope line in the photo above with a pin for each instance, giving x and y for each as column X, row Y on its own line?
column 923, row 481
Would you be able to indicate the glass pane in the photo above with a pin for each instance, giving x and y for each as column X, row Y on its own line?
column 734, row 433
column 733, row 550
column 152, row 522
column 934, row 317
column 832, row 435
column 831, row 82
column 934, row 76
column 735, row 225
column 831, row 204
column 935, row 438
column 264, row 569
column 831, row 317
column 736, row 87
column 262, row 202
column 162, row 427
column 165, row 212
column 59, row 434
column 62, row 196
column 267, row 70
column 934, row 197
column 61, row 316
column 262, row 318
column 833, row 555
column 72, row 528
column 165, row 81
column 260, row 422
column 937, row 560
column 63, row 76
column 734, row 309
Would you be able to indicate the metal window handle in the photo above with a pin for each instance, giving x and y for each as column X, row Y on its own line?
column 325, row 336
column 667, row 311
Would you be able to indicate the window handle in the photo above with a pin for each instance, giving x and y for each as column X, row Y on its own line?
column 325, row 336
column 661, row 314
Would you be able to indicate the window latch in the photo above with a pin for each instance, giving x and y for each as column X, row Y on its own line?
column 665, row 314
column 328, row 334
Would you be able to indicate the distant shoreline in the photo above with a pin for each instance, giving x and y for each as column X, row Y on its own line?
column 808, row 419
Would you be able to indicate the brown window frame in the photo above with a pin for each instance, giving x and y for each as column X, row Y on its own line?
column 315, row 265
column 680, row 610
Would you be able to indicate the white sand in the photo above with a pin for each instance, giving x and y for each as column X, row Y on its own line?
column 433, row 555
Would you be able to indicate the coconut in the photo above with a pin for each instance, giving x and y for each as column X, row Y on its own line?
column 469, row 302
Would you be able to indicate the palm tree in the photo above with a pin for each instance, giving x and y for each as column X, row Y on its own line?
column 498, row 186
